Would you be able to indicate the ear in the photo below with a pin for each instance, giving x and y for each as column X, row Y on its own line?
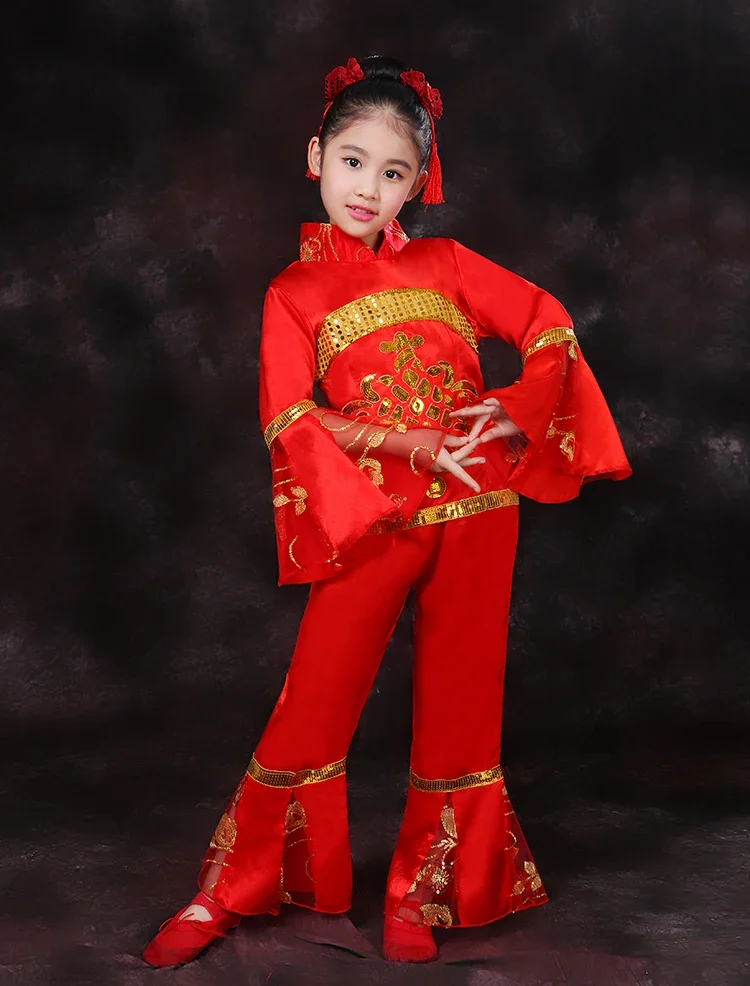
column 314, row 156
column 417, row 186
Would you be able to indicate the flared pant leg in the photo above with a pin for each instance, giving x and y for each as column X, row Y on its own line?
column 284, row 835
column 460, row 849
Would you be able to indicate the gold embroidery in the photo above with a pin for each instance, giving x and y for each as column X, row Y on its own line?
column 552, row 337
column 416, row 395
column 292, row 559
column 478, row 779
column 365, row 461
column 437, row 914
column 291, row 778
column 225, row 834
column 454, row 510
column 296, row 817
column 300, row 494
column 417, row 448
column 314, row 247
column 437, row 869
column 567, row 438
column 531, row 882
column 436, row 488
column 381, row 310
column 287, row 417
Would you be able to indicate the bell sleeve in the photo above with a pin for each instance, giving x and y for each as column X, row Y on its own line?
column 334, row 475
column 568, row 434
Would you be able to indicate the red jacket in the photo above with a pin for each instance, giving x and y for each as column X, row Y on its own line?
column 392, row 341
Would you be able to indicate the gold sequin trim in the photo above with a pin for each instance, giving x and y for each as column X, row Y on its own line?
column 381, row 310
column 291, row 778
column 480, row 779
column 441, row 512
column 552, row 337
column 287, row 417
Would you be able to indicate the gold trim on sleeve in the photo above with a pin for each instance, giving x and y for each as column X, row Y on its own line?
column 479, row 779
column 292, row 778
column 287, row 417
column 441, row 512
column 552, row 337
column 382, row 310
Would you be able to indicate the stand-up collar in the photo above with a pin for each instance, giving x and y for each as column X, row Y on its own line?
column 326, row 241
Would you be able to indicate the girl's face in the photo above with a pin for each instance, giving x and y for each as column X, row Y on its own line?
column 366, row 174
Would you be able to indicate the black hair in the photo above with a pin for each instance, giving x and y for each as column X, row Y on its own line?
column 381, row 89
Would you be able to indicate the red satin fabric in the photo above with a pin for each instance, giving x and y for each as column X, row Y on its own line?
column 291, row 844
column 336, row 499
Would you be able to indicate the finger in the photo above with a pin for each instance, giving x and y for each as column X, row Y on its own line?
column 454, row 468
column 477, row 426
column 470, row 411
column 460, row 453
column 473, row 462
column 453, row 440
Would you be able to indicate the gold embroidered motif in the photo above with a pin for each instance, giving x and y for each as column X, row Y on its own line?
column 530, row 883
column 417, row 448
column 291, row 778
column 478, row 779
column 316, row 247
column 437, row 914
column 436, row 488
column 552, row 337
column 287, row 417
column 416, row 395
column 381, row 310
column 454, row 510
column 296, row 818
column 225, row 834
column 292, row 559
column 567, row 438
column 300, row 495
column 365, row 461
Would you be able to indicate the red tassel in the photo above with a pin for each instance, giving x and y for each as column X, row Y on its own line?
column 432, row 193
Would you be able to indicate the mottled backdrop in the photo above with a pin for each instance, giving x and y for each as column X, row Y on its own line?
column 151, row 184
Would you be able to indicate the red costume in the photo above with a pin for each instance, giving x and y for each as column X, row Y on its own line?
column 392, row 341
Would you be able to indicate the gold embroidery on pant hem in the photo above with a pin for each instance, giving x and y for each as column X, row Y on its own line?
column 291, row 778
column 287, row 417
column 225, row 834
column 478, row 779
column 454, row 510
column 437, row 914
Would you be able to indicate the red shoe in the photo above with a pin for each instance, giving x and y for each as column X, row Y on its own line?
column 180, row 940
column 408, row 941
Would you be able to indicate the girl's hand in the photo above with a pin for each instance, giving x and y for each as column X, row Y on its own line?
column 489, row 411
column 449, row 461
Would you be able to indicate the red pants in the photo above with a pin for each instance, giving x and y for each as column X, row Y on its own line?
column 460, row 850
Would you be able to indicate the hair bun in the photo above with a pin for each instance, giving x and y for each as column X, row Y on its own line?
column 382, row 67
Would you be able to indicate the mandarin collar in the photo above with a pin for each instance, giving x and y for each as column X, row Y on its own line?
column 326, row 241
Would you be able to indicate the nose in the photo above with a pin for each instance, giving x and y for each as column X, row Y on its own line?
column 367, row 186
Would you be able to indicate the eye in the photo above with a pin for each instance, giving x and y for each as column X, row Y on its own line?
column 348, row 160
column 392, row 171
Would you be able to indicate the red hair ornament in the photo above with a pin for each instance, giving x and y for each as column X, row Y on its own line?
column 345, row 75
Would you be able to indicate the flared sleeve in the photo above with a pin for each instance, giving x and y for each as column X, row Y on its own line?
column 333, row 474
column 568, row 434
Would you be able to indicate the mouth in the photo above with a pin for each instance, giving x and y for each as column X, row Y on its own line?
column 360, row 213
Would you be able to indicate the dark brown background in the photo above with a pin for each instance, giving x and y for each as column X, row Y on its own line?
column 151, row 183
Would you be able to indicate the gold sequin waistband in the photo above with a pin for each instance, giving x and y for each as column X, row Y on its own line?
column 453, row 510
column 479, row 779
column 291, row 778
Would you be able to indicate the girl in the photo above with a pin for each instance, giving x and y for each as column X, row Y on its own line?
column 382, row 491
